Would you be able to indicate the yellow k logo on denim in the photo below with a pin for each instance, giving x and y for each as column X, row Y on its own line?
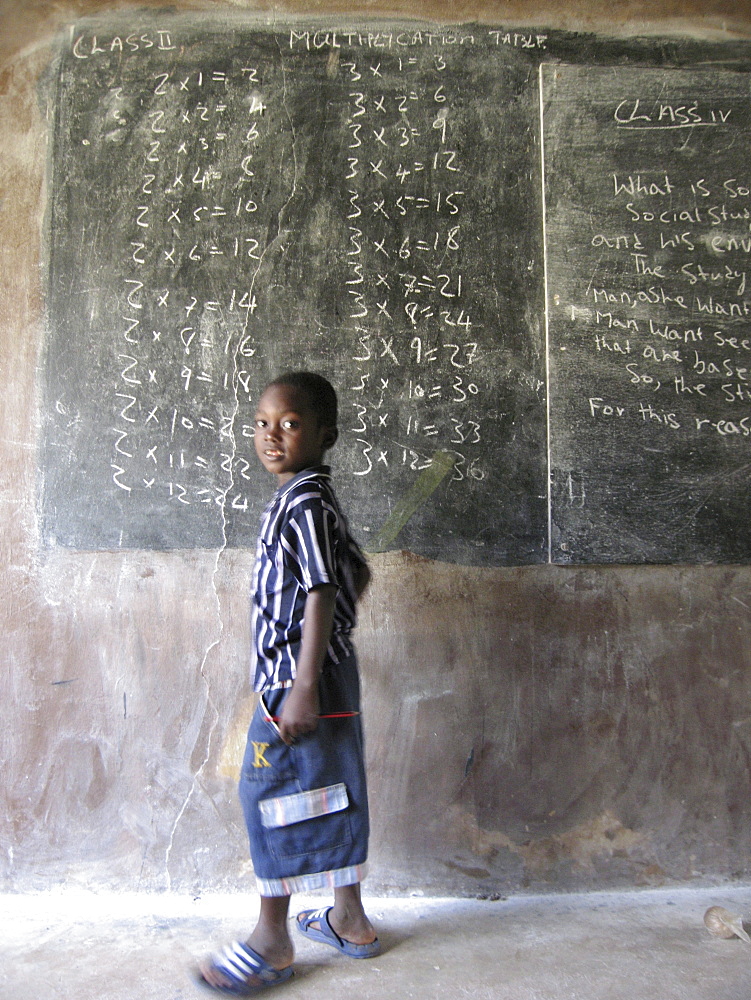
column 259, row 749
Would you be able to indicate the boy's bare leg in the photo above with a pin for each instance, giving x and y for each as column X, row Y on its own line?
column 348, row 918
column 270, row 939
column 271, row 935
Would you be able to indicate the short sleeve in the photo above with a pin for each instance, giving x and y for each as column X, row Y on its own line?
column 308, row 541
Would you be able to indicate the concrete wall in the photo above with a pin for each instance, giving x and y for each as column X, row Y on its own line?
column 539, row 728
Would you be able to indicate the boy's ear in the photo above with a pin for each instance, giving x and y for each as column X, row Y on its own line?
column 330, row 437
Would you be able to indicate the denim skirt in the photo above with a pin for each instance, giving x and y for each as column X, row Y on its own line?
column 306, row 806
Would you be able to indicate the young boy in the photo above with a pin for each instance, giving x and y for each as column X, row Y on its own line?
column 302, row 787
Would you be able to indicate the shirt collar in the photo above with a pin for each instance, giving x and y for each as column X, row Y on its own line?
column 313, row 470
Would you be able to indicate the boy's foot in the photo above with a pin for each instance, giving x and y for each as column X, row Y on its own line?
column 316, row 925
column 238, row 971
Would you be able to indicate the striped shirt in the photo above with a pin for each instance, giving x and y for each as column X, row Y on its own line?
column 303, row 542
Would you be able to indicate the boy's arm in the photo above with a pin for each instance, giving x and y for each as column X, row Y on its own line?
column 300, row 710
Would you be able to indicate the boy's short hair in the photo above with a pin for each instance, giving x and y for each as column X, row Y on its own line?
column 319, row 391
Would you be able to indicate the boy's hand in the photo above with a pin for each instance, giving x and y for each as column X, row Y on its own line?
column 299, row 713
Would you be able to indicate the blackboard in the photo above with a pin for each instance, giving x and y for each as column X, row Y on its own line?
column 230, row 202
column 648, row 189
column 400, row 207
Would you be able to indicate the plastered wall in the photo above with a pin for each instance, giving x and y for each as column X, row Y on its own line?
column 537, row 728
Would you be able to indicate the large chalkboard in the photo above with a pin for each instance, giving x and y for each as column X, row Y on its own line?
column 418, row 213
column 230, row 202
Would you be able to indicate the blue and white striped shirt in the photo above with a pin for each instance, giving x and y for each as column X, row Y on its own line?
column 303, row 542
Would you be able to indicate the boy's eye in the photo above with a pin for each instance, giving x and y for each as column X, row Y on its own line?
column 290, row 425
column 260, row 424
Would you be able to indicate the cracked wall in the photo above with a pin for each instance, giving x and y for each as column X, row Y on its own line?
column 537, row 728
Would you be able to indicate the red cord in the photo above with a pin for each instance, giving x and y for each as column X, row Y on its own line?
column 332, row 715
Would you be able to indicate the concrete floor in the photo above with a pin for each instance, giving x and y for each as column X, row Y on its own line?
column 603, row 946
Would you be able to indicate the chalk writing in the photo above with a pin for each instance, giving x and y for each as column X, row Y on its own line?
column 529, row 281
column 654, row 319
column 268, row 200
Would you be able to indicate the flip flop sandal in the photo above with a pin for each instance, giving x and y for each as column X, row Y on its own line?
column 247, row 973
column 326, row 934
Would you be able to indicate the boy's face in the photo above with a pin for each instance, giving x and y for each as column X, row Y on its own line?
column 288, row 434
